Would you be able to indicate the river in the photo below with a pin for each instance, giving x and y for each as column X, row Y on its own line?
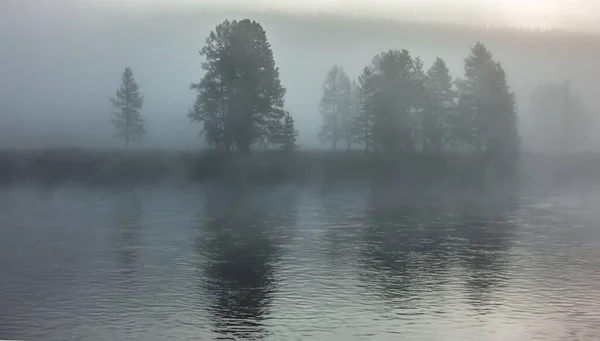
column 339, row 262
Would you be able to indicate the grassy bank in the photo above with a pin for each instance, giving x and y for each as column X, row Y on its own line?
column 119, row 166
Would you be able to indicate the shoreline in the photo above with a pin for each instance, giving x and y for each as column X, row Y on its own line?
column 147, row 166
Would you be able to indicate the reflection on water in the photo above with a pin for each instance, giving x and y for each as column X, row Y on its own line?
column 128, row 226
column 367, row 261
column 240, row 247
column 423, row 244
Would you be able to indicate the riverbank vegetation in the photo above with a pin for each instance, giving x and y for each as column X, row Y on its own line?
column 267, row 167
column 119, row 166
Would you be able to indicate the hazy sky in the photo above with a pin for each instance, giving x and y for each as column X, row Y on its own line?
column 574, row 14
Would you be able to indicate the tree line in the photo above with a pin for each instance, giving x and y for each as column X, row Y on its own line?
column 395, row 105
column 240, row 98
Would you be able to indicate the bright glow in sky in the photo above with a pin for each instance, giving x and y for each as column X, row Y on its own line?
column 573, row 14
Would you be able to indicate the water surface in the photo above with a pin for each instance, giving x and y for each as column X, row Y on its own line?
column 362, row 262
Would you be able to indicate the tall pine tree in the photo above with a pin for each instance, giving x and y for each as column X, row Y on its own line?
column 347, row 105
column 487, row 105
column 128, row 121
column 503, row 136
column 419, row 100
column 394, row 100
column 364, row 119
column 475, row 95
column 439, row 121
column 240, row 99
column 336, row 108
column 289, row 133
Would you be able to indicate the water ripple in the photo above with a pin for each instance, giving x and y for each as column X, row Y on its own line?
column 295, row 263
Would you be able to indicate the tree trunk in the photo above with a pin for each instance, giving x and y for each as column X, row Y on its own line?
column 334, row 133
column 127, row 131
column 127, row 120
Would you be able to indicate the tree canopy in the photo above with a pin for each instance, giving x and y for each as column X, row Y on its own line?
column 128, row 121
column 240, row 99
column 336, row 108
column 398, row 106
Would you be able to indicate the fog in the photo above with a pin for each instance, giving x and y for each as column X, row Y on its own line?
column 61, row 61
column 434, row 214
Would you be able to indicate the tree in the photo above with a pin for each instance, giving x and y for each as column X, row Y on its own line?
column 128, row 120
column 346, row 108
column 488, row 117
column 503, row 135
column 439, row 121
column 240, row 99
column 573, row 118
column 419, row 99
column 560, row 119
column 289, row 133
column 336, row 108
column 364, row 118
column 394, row 100
column 473, row 113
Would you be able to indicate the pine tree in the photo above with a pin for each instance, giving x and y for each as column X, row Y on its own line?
column 364, row 118
column 128, row 120
column 336, row 108
column 394, row 100
column 574, row 120
column 240, row 99
column 487, row 106
column 419, row 99
column 439, row 121
column 474, row 90
column 346, row 109
column 289, row 133
column 503, row 132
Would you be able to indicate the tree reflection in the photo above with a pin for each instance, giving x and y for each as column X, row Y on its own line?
column 339, row 221
column 414, row 240
column 240, row 246
column 127, row 221
column 488, row 234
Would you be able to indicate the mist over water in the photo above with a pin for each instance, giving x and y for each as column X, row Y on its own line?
column 317, row 262
column 418, row 224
